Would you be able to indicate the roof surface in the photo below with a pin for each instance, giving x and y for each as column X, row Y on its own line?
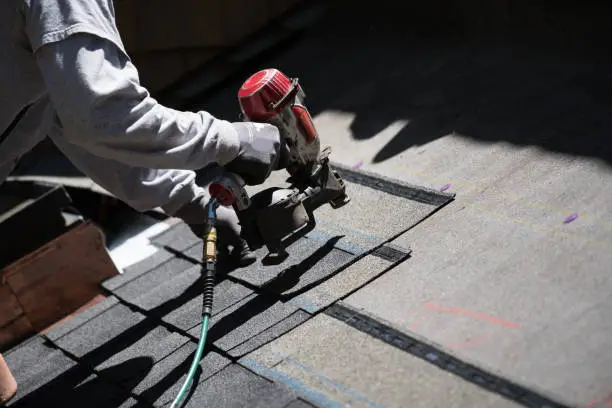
column 137, row 344
column 505, row 299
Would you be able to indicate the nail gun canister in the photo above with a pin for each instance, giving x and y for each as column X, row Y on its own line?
column 267, row 93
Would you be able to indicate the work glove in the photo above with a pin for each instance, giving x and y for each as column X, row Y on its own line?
column 261, row 151
column 229, row 239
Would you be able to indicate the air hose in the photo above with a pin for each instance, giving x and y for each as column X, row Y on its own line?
column 209, row 260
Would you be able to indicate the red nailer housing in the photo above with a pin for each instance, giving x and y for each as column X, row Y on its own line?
column 266, row 93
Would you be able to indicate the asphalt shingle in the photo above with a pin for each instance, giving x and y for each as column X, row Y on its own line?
column 92, row 392
column 309, row 261
column 179, row 287
column 162, row 382
column 244, row 320
column 356, row 369
column 269, row 334
column 189, row 314
column 152, row 279
column 377, row 212
column 236, row 387
column 340, row 285
column 299, row 403
column 80, row 318
column 178, row 237
column 75, row 391
column 35, row 365
column 153, row 346
column 134, row 271
column 107, row 333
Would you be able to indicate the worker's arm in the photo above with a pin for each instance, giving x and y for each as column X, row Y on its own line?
column 174, row 191
column 102, row 107
column 141, row 188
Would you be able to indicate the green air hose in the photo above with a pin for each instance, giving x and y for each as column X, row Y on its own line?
column 210, row 262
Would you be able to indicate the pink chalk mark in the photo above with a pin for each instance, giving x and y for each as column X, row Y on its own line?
column 419, row 318
column 413, row 317
column 481, row 316
column 358, row 165
column 607, row 401
column 445, row 187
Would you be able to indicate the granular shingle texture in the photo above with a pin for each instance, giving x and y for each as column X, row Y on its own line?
column 189, row 314
column 134, row 348
column 245, row 320
column 134, row 271
column 309, row 261
column 163, row 381
column 81, row 318
column 236, row 387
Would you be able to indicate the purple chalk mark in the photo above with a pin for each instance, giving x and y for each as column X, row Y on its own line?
column 445, row 187
column 358, row 165
column 570, row 218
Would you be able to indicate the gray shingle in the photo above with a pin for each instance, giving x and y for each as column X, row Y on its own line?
column 28, row 354
column 103, row 330
column 269, row 334
column 244, row 320
column 374, row 216
column 178, row 237
column 36, row 367
column 75, row 389
column 162, row 383
column 92, row 392
column 134, row 271
column 154, row 346
column 298, row 403
column 151, row 280
column 343, row 283
column 132, row 403
column 188, row 315
column 236, row 387
column 178, row 288
column 308, row 262
column 81, row 318
column 195, row 251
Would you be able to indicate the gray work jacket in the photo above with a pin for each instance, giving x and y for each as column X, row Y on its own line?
column 64, row 73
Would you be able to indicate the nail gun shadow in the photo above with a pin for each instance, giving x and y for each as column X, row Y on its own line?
column 291, row 275
column 277, row 259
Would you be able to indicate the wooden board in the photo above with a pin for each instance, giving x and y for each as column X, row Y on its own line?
column 14, row 332
column 9, row 306
column 61, row 276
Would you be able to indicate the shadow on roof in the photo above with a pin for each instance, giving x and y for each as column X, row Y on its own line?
column 529, row 74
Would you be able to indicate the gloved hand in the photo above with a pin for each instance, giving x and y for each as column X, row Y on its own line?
column 228, row 227
column 261, row 152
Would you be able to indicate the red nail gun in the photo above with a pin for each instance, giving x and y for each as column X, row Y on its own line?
column 274, row 214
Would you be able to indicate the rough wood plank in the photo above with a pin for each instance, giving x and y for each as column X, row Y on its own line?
column 53, row 282
column 9, row 306
column 13, row 332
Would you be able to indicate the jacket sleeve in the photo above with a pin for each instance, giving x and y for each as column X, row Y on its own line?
column 141, row 188
column 101, row 105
